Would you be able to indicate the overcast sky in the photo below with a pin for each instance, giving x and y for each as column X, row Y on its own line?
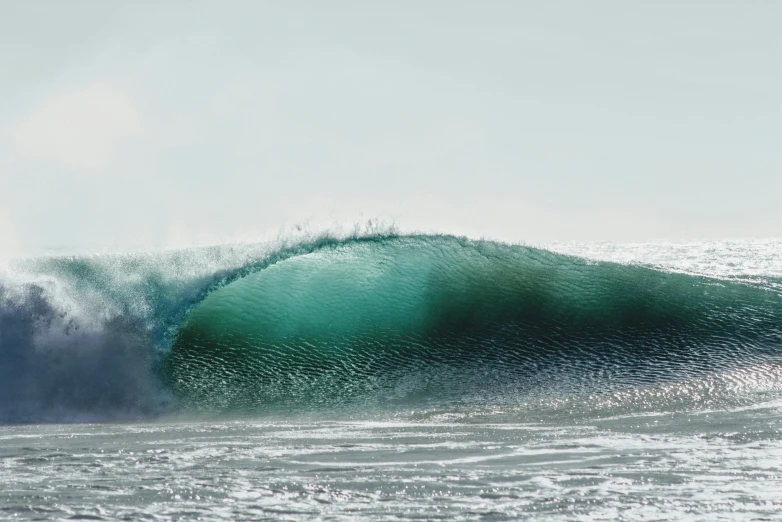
column 127, row 125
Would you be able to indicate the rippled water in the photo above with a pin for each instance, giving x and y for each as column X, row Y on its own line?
column 704, row 465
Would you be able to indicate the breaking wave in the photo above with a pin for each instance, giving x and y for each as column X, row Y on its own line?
column 373, row 319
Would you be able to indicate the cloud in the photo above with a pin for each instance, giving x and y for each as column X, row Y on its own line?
column 81, row 128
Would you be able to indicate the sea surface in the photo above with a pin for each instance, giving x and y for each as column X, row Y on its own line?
column 394, row 377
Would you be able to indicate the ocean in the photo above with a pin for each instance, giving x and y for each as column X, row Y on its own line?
column 394, row 377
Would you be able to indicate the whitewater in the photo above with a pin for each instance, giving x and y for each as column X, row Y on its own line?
column 380, row 375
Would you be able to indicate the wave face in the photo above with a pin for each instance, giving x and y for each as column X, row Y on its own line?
column 440, row 318
column 376, row 320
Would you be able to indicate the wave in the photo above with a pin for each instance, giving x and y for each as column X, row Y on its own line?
column 378, row 318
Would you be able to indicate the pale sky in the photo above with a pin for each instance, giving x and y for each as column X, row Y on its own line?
column 127, row 125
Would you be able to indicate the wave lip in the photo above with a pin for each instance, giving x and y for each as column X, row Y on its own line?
column 441, row 317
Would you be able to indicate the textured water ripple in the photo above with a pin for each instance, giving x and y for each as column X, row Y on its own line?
column 442, row 318
column 703, row 466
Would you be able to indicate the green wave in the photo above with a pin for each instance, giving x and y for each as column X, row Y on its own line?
column 436, row 316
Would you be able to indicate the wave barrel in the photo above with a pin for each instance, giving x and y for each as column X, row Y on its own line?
column 442, row 317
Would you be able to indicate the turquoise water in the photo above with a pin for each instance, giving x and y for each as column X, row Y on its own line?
column 394, row 377
column 442, row 319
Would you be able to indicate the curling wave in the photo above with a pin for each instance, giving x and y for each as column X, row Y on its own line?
column 435, row 316
column 359, row 320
